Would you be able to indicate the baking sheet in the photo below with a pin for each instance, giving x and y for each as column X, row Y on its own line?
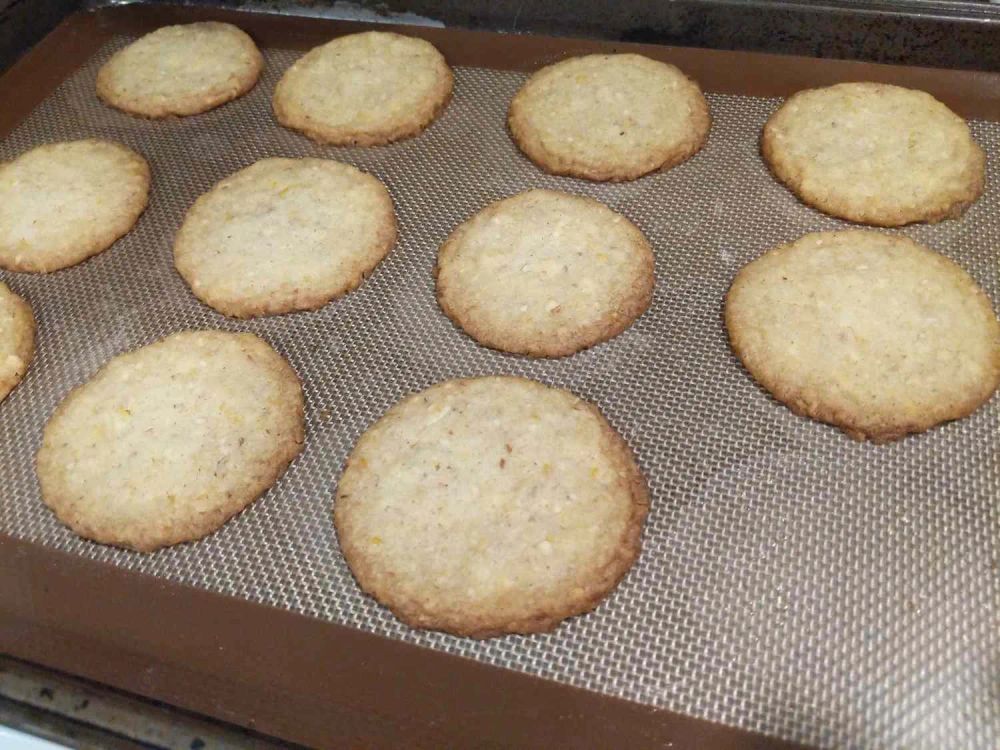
column 792, row 581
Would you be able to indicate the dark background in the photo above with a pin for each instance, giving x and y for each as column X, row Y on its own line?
column 936, row 33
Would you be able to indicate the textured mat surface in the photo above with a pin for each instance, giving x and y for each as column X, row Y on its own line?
column 792, row 581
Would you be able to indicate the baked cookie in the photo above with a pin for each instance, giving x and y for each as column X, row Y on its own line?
column 63, row 202
column 609, row 117
column 875, row 154
column 545, row 273
column 181, row 70
column 164, row 444
column 17, row 339
column 364, row 89
column 284, row 235
column 870, row 332
column 490, row 505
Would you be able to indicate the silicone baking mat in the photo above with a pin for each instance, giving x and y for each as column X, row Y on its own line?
column 792, row 581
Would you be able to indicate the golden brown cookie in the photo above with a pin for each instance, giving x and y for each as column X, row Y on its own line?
column 166, row 443
column 17, row 339
column 545, row 273
column 490, row 505
column 867, row 331
column 64, row 202
column 284, row 235
column 364, row 89
column 609, row 117
column 181, row 70
column 875, row 154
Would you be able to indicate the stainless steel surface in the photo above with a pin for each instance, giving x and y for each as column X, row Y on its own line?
column 933, row 33
column 792, row 581
column 86, row 716
column 965, row 10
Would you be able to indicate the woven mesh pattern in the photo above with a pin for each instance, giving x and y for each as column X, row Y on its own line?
column 792, row 581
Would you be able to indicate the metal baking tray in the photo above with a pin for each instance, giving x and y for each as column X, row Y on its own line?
column 794, row 586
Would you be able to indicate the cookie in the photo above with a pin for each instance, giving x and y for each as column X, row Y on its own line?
column 870, row 332
column 545, row 273
column 17, row 339
column 364, row 89
column 166, row 443
column 63, row 202
column 181, row 70
column 875, row 154
column 284, row 235
column 609, row 117
column 490, row 505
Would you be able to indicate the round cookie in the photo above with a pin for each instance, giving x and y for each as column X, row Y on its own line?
column 870, row 332
column 364, row 89
column 545, row 273
column 875, row 154
column 284, row 235
column 490, row 505
column 63, row 202
column 181, row 70
column 166, row 443
column 609, row 117
column 17, row 339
